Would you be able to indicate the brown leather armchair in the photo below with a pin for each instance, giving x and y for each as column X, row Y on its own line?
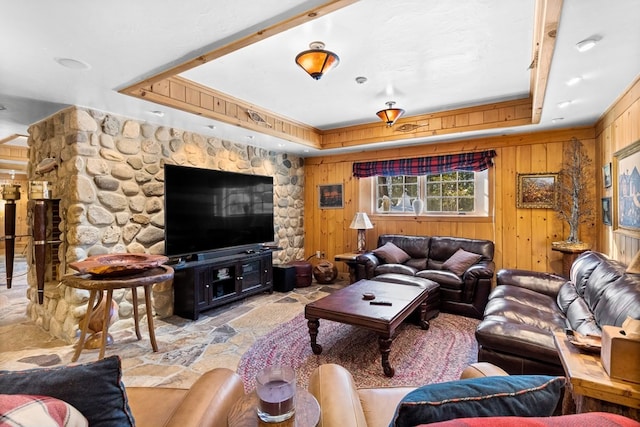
column 465, row 295
column 206, row 403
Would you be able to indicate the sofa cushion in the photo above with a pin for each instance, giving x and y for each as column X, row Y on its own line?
column 95, row 389
column 29, row 410
column 460, row 261
column 417, row 263
column 518, row 395
column 396, row 269
column 391, row 254
column 572, row 420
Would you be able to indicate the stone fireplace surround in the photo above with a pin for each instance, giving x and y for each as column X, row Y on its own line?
column 109, row 182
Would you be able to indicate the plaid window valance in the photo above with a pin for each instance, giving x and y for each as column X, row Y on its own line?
column 426, row 165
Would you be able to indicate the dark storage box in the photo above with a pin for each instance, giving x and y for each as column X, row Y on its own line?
column 303, row 273
column 284, row 278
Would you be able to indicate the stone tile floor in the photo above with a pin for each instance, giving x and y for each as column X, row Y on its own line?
column 186, row 348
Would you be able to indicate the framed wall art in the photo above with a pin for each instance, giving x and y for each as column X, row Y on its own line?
column 606, row 175
column 537, row 190
column 330, row 196
column 626, row 190
column 606, row 211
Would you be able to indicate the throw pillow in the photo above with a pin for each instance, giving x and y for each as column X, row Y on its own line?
column 515, row 395
column 460, row 261
column 391, row 254
column 572, row 420
column 95, row 389
column 38, row 411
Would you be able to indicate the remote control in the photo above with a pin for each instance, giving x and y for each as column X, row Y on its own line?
column 380, row 303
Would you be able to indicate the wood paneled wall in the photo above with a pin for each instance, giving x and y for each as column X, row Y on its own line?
column 523, row 236
column 618, row 128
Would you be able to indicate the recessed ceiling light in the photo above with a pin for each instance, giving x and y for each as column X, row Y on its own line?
column 73, row 64
column 361, row 80
column 157, row 113
column 2, row 107
column 563, row 104
column 249, row 136
column 586, row 44
column 280, row 144
column 212, row 127
column 574, row 81
column 557, row 119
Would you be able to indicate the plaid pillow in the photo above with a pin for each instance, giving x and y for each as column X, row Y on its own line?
column 38, row 411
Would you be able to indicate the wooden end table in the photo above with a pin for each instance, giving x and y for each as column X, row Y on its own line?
column 244, row 412
column 591, row 389
column 94, row 284
column 349, row 259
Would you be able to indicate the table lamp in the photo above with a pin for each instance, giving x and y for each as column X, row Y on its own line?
column 634, row 265
column 361, row 223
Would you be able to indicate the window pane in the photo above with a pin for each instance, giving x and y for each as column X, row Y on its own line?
column 450, row 189
column 449, row 205
column 434, row 205
column 466, row 188
column 466, row 176
column 434, row 190
column 465, row 205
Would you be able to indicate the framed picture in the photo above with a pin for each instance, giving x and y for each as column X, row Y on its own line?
column 606, row 211
column 537, row 190
column 606, row 175
column 626, row 190
column 330, row 196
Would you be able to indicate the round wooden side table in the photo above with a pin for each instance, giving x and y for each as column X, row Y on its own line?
column 244, row 413
column 94, row 284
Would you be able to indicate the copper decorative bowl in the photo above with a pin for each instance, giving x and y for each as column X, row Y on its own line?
column 118, row 264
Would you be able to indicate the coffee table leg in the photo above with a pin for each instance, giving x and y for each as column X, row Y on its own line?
column 313, row 325
column 424, row 323
column 385, row 349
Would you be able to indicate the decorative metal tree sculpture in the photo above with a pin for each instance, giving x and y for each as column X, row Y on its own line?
column 575, row 181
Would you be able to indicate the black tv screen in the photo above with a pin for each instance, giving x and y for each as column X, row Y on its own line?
column 207, row 210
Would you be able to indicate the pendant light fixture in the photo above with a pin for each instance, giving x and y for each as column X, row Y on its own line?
column 316, row 61
column 390, row 114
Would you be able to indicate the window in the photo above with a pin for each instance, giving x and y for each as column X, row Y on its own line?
column 449, row 193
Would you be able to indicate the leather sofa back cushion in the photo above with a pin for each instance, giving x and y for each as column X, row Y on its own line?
column 442, row 248
column 391, row 254
column 517, row 395
column 414, row 246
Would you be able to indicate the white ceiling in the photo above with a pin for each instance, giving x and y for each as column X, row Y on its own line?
column 427, row 55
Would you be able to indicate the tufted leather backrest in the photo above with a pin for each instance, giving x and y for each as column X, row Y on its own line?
column 414, row 246
column 442, row 248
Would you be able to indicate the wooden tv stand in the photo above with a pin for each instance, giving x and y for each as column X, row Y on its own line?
column 207, row 283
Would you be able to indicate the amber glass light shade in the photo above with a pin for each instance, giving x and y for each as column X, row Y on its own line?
column 390, row 115
column 317, row 61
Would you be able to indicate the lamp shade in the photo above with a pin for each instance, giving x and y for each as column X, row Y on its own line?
column 390, row 115
column 634, row 265
column 361, row 222
column 316, row 61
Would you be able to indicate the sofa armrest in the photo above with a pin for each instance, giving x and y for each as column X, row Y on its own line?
column 544, row 283
column 333, row 387
column 477, row 276
column 206, row 403
column 367, row 263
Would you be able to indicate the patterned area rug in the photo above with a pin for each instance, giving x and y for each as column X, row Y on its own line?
column 418, row 357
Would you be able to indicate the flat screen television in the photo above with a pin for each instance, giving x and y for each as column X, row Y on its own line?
column 209, row 210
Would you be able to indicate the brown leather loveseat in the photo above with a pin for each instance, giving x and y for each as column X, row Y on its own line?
column 464, row 294
column 526, row 308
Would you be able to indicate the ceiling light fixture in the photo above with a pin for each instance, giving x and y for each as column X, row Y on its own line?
column 73, row 64
column 316, row 61
column 390, row 114
column 157, row 113
column 586, row 45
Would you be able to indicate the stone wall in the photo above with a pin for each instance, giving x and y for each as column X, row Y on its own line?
column 109, row 181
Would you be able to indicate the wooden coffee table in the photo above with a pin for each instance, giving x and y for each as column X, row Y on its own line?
column 347, row 305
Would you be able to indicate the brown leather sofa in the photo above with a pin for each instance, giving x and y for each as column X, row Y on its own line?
column 526, row 308
column 206, row 403
column 465, row 295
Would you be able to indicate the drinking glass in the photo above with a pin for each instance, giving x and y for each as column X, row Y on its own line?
column 276, row 389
